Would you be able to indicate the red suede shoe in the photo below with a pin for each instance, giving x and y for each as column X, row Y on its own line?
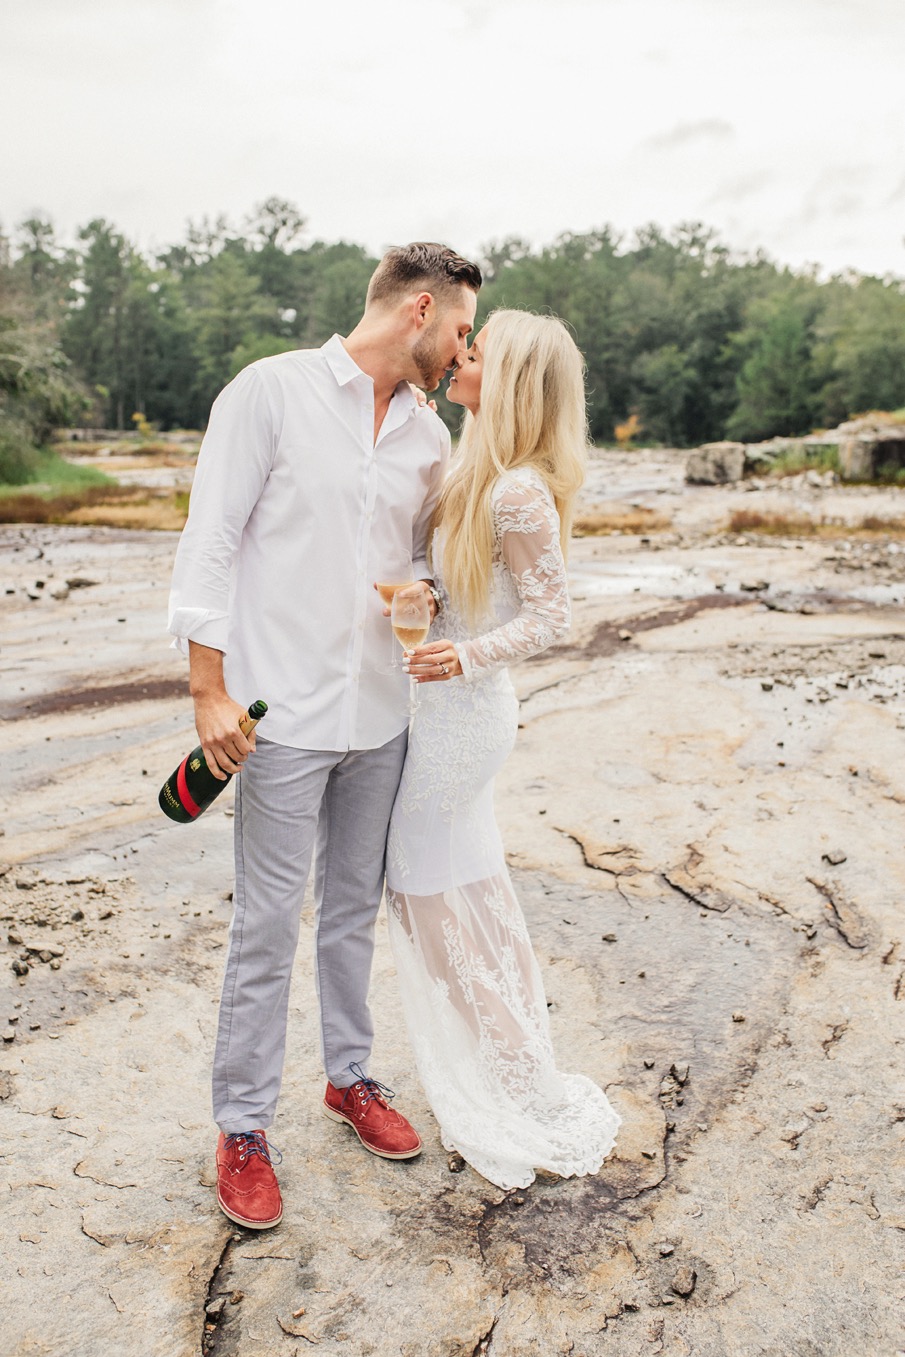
column 247, row 1187
column 366, row 1109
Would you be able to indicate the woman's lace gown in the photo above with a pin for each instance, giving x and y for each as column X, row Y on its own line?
column 471, row 988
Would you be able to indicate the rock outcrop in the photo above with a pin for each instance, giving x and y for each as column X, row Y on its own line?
column 870, row 448
column 872, row 454
column 716, row 464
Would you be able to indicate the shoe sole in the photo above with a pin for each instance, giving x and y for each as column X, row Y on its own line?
column 382, row 1154
column 249, row 1224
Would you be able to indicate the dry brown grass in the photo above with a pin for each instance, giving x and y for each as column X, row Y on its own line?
column 164, row 449
column 141, row 461
column 128, row 453
column 800, row 525
column 602, row 522
column 101, row 507
column 157, row 515
column 78, row 449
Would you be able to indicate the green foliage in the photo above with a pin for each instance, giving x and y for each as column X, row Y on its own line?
column 19, row 457
column 692, row 342
column 804, row 457
column 48, row 472
column 258, row 346
column 861, row 340
column 779, row 380
column 38, row 387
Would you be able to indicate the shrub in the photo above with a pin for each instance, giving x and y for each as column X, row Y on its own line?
column 19, row 458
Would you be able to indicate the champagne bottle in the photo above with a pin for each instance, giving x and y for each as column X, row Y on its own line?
column 190, row 789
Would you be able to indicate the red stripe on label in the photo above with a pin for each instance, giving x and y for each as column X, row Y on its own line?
column 185, row 796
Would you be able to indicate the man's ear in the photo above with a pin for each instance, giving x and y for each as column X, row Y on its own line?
column 423, row 308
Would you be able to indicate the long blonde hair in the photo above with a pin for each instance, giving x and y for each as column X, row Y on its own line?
column 532, row 414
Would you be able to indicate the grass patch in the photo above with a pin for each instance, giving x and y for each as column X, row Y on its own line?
column 100, row 506
column 804, row 458
column 800, row 525
column 602, row 523
column 52, row 473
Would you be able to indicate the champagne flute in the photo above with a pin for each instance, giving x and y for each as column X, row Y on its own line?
column 411, row 617
column 397, row 573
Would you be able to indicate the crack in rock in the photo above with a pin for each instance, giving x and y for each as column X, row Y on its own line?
column 101, row 1182
column 836, row 1034
column 843, row 915
column 482, row 1347
column 817, row 1193
column 297, row 1330
column 617, row 861
column 215, row 1304
column 700, row 893
column 104, row 1240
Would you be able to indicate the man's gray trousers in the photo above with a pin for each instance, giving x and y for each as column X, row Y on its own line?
column 289, row 802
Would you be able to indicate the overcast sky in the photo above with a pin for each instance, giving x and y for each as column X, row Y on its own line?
column 779, row 122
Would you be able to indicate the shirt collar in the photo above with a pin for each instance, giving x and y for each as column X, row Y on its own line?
column 340, row 362
column 345, row 370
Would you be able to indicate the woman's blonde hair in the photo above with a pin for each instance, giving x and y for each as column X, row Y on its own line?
column 532, row 414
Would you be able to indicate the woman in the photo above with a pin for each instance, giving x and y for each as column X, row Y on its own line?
column 471, row 988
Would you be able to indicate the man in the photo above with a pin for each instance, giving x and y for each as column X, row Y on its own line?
column 318, row 468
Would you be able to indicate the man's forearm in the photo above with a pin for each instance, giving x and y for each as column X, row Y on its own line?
column 216, row 714
column 205, row 672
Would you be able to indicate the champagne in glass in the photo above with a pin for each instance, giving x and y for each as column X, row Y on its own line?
column 411, row 618
column 397, row 574
column 387, row 591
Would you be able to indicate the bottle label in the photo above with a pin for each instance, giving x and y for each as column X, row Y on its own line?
column 185, row 796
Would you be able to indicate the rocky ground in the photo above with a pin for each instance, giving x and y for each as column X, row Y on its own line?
column 704, row 820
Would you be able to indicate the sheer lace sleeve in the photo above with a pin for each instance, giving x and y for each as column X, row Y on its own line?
column 526, row 526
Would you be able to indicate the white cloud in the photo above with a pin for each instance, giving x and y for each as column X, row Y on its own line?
column 782, row 125
column 705, row 129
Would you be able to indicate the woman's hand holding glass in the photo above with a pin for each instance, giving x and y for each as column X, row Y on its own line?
column 433, row 663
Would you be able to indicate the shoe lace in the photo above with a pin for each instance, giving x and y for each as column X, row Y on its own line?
column 252, row 1142
column 373, row 1089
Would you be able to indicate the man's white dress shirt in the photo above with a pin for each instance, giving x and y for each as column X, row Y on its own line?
column 295, row 512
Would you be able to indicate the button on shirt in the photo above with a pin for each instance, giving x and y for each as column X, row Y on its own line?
column 295, row 512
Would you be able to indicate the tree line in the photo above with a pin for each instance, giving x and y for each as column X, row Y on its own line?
column 685, row 341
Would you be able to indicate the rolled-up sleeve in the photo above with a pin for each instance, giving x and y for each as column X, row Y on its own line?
column 233, row 465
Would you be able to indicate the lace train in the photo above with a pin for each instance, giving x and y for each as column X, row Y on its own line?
column 477, row 1018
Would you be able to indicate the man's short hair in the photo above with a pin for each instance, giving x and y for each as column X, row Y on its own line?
column 423, row 267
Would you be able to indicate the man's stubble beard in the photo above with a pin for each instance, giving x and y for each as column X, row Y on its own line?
column 428, row 360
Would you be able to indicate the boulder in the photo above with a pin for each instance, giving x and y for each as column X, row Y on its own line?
column 878, row 454
column 715, row 464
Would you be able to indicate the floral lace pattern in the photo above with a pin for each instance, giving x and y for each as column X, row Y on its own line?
column 472, row 991
column 529, row 589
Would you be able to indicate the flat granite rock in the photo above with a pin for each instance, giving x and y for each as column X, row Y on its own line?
column 703, row 821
